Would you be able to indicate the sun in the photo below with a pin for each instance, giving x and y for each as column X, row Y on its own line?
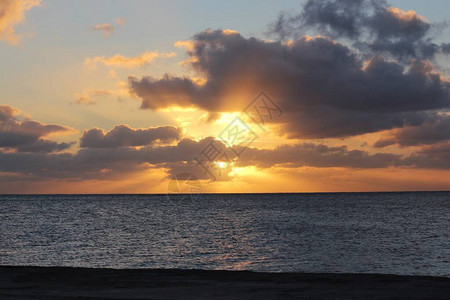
column 222, row 164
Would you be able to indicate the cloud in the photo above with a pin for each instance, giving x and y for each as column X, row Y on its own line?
column 445, row 48
column 371, row 25
column 120, row 21
column 101, row 162
column 124, row 136
column 210, row 117
column 402, row 34
column 108, row 28
column 430, row 157
column 316, row 155
column 123, row 149
column 166, row 92
column 44, row 146
column 326, row 88
column 435, row 131
column 25, row 135
column 108, row 155
column 120, row 61
column 90, row 96
column 86, row 96
column 104, row 163
column 12, row 13
column 8, row 113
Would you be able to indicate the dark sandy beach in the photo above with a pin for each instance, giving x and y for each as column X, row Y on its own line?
column 82, row 283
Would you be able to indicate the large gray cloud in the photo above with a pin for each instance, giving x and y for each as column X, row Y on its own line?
column 24, row 135
column 371, row 25
column 326, row 88
column 123, row 135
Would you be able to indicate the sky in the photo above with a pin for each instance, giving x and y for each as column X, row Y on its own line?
column 224, row 96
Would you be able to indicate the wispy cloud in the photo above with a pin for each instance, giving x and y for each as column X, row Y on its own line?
column 121, row 61
column 89, row 96
column 108, row 28
column 120, row 21
column 86, row 96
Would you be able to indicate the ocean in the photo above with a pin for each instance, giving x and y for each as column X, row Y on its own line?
column 391, row 233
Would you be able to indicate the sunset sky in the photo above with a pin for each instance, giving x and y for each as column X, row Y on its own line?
column 230, row 96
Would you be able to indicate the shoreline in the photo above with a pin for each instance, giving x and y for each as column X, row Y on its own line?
column 29, row 282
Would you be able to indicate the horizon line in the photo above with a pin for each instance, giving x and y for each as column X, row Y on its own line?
column 243, row 193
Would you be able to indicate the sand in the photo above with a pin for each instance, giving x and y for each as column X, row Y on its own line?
column 83, row 283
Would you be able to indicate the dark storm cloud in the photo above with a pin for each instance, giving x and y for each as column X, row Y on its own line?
column 445, row 48
column 123, row 135
column 435, row 131
column 26, row 135
column 325, row 122
column 325, row 88
column 333, row 18
column 371, row 25
column 403, row 34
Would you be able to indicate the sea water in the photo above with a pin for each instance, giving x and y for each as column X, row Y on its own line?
column 395, row 233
